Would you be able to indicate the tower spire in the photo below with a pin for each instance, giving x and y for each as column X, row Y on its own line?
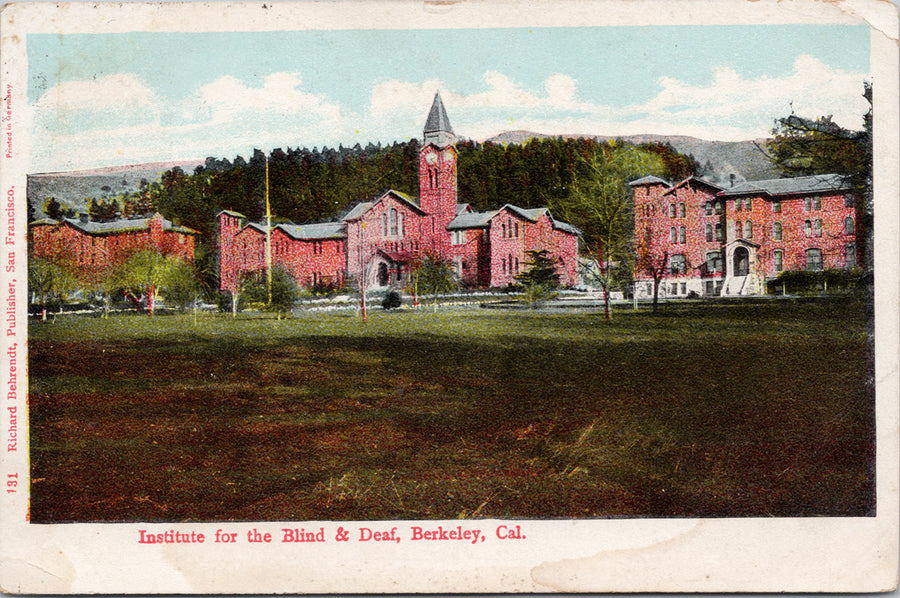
column 437, row 127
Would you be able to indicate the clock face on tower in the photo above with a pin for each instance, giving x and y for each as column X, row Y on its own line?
column 431, row 157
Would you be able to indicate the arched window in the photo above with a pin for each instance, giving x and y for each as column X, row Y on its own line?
column 516, row 232
column 778, row 260
column 709, row 231
column 776, row 231
column 384, row 228
column 817, row 227
column 681, row 234
column 681, row 210
column 848, row 225
column 807, row 228
column 401, row 221
column 748, row 204
column 738, row 204
column 504, row 265
column 738, row 230
column 673, row 235
column 671, row 210
column 678, row 264
column 517, row 265
column 748, row 229
column 776, row 207
column 719, row 232
column 393, row 222
column 709, row 208
column 503, row 227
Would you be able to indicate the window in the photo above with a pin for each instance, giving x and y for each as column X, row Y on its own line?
column 807, row 228
column 738, row 229
column 384, row 228
column 504, row 265
column 673, row 235
column 709, row 208
column 738, row 204
column 503, row 229
column 681, row 210
column 778, row 260
column 393, row 221
column 748, row 204
column 714, row 261
column 681, row 234
column 673, row 288
column 848, row 200
column 807, row 203
column 776, row 207
column 684, row 288
column 517, row 265
column 459, row 237
column 776, row 231
column 817, row 227
column 671, row 210
column 401, row 224
column 720, row 207
column 516, row 229
column 509, row 228
column 719, row 236
column 678, row 264
column 748, row 229
column 817, row 203
column 850, row 255
column 814, row 260
column 709, row 232
column 848, row 225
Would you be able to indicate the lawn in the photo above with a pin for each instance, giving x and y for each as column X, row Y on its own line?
column 700, row 410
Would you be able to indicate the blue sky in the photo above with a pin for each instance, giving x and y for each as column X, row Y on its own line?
column 108, row 99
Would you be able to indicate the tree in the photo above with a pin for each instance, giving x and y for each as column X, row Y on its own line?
column 142, row 275
column 540, row 278
column 804, row 146
column 652, row 261
column 600, row 205
column 47, row 280
column 433, row 275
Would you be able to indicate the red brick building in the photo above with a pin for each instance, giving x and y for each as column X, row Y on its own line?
column 381, row 240
column 713, row 240
column 97, row 246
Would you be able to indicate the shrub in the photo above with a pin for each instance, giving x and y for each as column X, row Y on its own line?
column 391, row 300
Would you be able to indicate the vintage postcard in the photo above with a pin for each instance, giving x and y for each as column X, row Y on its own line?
column 408, row 297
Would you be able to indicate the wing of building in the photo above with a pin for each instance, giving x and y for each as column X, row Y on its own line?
column 380, row 240
column 729, row 241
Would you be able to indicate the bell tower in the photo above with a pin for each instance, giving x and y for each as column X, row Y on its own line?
column 437, row 176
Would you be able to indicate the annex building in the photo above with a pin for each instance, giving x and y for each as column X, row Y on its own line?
column 730, row 240
column 380, row 241
column 97, row 246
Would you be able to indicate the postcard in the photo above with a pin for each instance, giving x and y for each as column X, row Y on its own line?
column 424, row 297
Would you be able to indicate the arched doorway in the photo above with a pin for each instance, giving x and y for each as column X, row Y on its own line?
column 382, row 274
column 741, row 262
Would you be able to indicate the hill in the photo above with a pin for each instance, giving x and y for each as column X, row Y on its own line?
column 73, row 188
column 720, row 159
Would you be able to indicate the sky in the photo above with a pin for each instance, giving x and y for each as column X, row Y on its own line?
column 113, row 99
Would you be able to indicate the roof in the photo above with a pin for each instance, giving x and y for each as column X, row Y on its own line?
column 803, row 184
column 121, row 226
column 470, row 220
column 463, row 207
column 230, row 213
column 649, row 180
column 363, row 207
column 437, row 117
column 358, row 210
column 694, row 179
column 565, row 227
column 324, row 230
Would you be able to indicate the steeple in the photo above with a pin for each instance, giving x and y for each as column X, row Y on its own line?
column 437, row 128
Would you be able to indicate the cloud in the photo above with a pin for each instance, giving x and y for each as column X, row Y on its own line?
column 119, row 119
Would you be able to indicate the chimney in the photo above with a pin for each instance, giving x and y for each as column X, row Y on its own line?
column 732, row 177
column 84, row 217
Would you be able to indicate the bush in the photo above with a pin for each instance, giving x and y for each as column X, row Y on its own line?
column 800, row 282
column 391, row 300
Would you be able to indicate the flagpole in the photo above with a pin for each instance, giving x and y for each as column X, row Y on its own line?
column 268, row 239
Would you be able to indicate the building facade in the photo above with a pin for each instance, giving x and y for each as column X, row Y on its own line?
column 711, row 240
column 94, row 247
column 380, row 241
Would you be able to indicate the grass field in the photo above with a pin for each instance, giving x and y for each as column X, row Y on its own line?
column 700, row 410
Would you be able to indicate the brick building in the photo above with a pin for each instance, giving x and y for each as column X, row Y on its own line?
column 97, row 246
column 382, row 239
column 730, row 241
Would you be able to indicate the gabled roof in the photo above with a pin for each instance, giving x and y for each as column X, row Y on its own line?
column 470, row 220
column 324, row 230
column 121, row 226
column 361, row 208
column 694, row 179
column 790, row 186
column 437, row 117
column 533, row 214
column 230, row 213
column 649, row 180
column 462, row 208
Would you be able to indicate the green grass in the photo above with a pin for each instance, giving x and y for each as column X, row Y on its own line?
column 699, row 410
